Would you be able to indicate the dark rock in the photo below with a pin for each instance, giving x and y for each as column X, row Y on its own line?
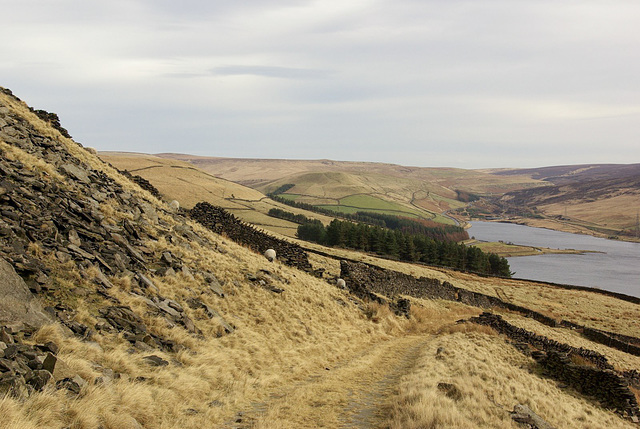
column 49, row 363
column 147, row 283
column 71, row 384
column 524, row 414
column 124, row 319
column 154, row 360
column 450, row 390
column 5, row 337
column 38, row 378
column 76, row 173
column 214, row 284
column 13, row 385
column 18, row 303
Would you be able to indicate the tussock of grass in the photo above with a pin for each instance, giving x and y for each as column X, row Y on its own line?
column 32, row 163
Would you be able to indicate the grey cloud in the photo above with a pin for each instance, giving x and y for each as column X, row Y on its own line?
column 270, row 71
column 428, row 82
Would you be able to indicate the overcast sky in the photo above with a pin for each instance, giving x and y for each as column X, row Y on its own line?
column 471, row 84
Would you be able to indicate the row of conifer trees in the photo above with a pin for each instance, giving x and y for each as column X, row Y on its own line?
column 404, row 246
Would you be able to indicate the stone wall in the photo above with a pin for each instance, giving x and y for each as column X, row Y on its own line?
column 364, row 280
column 611, row 389
column 221, row 221
column 625, row 343
column 598, row 378
column 539, row 342
column 367, row 280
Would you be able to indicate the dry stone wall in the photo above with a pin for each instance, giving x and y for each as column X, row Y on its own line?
column 599, row 379
column 366, row 280
column 221, row 221
column 539, row 342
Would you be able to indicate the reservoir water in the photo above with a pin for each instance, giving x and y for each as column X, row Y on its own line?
column 616, row 269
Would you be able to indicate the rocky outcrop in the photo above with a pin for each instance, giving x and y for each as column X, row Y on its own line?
column 18, row 304
column 68, row 231
column 28, row 368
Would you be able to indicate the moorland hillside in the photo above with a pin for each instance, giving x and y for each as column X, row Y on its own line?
column 119, row 310
column 595, row 199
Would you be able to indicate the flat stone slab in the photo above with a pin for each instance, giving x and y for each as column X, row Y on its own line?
column 17, row 303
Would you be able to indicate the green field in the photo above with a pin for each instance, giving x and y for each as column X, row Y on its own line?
column 290, row 197
column 359, row 203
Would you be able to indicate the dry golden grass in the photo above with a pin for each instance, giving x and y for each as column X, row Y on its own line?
column 181, row 181
column 586, row 308
column 615, row 212
column 491, row 378
column 178, row 180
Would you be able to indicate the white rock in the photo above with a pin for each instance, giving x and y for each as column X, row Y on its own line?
column 341, row 284
column 175, row 205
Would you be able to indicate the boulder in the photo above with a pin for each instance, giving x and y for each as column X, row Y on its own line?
column 524, row 414
column 17, row 303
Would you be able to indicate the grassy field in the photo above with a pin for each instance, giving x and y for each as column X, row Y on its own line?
column 509, row 250
column 425, row 192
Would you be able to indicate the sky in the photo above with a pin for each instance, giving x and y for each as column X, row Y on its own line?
column 431, row 83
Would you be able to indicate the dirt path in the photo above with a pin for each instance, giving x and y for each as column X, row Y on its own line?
column 367, row 408
column 352, row 394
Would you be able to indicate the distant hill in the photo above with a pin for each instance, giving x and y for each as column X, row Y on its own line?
column 345, row 186
column 576, row 173
column 603, row 198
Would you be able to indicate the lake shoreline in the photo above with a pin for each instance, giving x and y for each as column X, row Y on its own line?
column 603, row 264
column 514, row 250
column 554, row 225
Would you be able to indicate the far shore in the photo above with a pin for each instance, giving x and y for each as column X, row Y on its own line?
column 562, row 226
column 509, row 250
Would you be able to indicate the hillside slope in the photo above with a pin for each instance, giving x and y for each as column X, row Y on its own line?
column 151, row 320
column 597, row 199
column 187, row 184
column 414, row 191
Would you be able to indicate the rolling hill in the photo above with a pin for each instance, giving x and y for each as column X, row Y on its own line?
column 181, row 181
column 597, row 199
column 139, row 316
column 427, row 193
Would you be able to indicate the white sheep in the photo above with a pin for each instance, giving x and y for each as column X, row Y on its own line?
column 270, row 254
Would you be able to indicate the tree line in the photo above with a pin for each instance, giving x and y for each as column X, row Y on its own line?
column 403, row 246
column 429, row 228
